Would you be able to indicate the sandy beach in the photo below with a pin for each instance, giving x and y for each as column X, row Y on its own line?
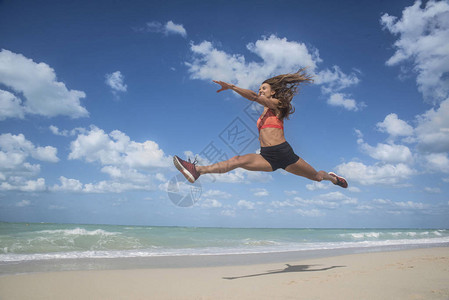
column 407, row 274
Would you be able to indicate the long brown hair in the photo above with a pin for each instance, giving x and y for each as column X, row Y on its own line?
column 285, row 87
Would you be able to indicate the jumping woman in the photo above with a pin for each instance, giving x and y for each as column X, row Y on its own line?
column 275, row 94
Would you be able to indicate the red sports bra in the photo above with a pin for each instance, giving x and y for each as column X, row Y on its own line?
column 269, row 120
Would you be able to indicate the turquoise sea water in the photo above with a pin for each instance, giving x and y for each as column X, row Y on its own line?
column 20, row 242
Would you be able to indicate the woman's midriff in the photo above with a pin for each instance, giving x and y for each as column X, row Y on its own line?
column 271, row 137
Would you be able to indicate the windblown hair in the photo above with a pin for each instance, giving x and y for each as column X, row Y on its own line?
column 285, row 87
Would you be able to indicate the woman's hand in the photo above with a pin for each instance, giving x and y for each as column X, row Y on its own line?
column 224, row 85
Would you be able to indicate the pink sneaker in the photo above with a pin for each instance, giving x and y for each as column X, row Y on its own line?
column 187, row 169
column 340, row 180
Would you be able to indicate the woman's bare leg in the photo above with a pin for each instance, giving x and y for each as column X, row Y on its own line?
column 250, row 162
column 301, row 168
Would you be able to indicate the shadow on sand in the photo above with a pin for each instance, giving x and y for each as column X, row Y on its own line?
column 289, row 268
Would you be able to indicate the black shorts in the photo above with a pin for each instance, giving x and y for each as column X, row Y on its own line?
column 279, row 156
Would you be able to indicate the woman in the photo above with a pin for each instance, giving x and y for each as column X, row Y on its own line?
column 275, row 94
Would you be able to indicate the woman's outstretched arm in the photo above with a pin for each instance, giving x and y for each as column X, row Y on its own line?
column 248, row 94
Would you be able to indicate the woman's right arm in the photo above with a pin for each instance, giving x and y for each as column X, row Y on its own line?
column 248, row 94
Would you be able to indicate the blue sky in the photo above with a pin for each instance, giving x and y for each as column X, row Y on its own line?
column 97, row 96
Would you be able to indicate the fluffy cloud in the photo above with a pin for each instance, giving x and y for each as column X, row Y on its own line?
column 431, row 135
column 210, row 203
column 335, row 80
column 55, row 130
column 394, row 126
column 167, row 28
column 331, row 200
column 390, row 174
column 23, row 203
column 389, row 153
column 117, row 149
column 278, row 56
column 422, row 39
column 116, row 82
column 17, row 147
column 432, row 131
column 37, row 82
column 398, row 206
column 121, row 159
column 246, row 204
column 15, row 170
column 217, row 193
column 117, row 184
column 437, row 162
column 10, row 106
column 172, row 28
column 24, row 186
column 68, row 185
column 341, row 100
column 310, row 212
column 316, row 186
column 260, row 192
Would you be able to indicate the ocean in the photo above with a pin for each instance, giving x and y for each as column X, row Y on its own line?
column 21, row 242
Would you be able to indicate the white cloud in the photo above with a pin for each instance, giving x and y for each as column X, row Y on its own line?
column 116, row 185
column 331, row 200
column 47, row 153
column 354, row 189
column 437, row 162
column 168, row 28
column 15, row 171
column 389, row 153
column 397, row 207
column 260, row 192
column 121, row 159
column 19, row 184
column 16, row 148
column 422, row 39
column 217, row 193
column 432, row 131
column 281, row 55
column 323, row 202
column 10, row 106
column 394, row 126
column 318, row 186
column 116, row 148
column 228, row 213
column 290, row 193
column 23, row 203
column 310, row 213
column 37, row 82
column 335, row 80
column 342, row 100
column 55, row 130
column 68, row 185
column 210, row 203
column 238, row 175
column 116, row 82
column 278, row 56
column 432, row 190
column 172, row 28
column 390, row 174
column 246, row 204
